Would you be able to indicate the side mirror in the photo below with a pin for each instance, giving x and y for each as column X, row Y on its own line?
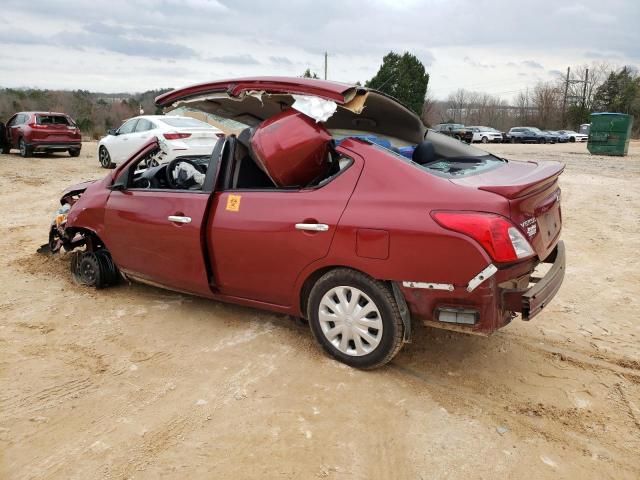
column 120, row 183
column 112, row 131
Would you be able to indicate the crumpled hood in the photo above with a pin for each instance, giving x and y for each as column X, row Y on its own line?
column 76, row 189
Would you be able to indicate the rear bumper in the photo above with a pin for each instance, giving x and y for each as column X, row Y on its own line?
column 38, row 147
column 529, row 302
column 495, row 301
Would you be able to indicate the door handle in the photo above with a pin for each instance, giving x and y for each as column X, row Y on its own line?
column 312, row 227
column 179, row 219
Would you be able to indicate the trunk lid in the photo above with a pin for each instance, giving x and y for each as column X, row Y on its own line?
column 534, row 198
column 54, row 128
column 253, row 100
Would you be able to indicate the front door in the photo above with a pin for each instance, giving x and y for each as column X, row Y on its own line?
column 155, row 235
column 261, row 240
column 121, row 147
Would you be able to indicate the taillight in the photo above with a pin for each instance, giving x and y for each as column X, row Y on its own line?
column 219, row 135
column 497, row 235
column 175, row 135
column 36, row 126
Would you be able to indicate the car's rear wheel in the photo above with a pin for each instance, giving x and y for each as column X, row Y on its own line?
column 25, row 150
column 513, row 140
column 572, row 139
column 104, row 158
column 542, row 140
column 74, row 152
column 355, row 318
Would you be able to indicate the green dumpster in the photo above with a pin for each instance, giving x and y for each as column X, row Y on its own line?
column 610, row 133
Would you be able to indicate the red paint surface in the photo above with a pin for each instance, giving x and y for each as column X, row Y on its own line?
column 255, row 255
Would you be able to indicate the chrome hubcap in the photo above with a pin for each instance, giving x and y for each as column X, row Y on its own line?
column 104, row 156
column 350, row 320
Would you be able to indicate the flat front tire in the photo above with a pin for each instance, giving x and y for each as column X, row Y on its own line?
column 355, row 318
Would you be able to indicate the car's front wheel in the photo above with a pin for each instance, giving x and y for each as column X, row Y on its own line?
column 572, row 139
column 484, row 140
column 104, row 158
column 25, row 150
column 355, row 318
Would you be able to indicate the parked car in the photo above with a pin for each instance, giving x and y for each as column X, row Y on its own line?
column 180, row 136
column 575, row 136
column 354, row 237
column 527, row 135
column 486, row 135
column 36, row 132
column 558, row 136
column 455, row 130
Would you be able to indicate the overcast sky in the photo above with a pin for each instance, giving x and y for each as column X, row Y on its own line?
column 499, row 46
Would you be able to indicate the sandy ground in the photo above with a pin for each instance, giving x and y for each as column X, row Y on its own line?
column 137, row 382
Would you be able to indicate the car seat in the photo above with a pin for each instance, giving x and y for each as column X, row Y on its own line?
column 425, row 153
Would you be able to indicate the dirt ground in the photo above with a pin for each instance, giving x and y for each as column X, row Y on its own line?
column 137, row 382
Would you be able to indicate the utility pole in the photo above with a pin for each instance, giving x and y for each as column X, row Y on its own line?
column 584, row 90
column 575, row 99
column 325, row 65
column 564, row 99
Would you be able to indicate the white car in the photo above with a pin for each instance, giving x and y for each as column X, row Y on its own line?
column 486, row 135
column 575, row 136
column 179, row 136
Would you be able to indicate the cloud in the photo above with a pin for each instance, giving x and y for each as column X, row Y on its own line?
column 280, row 60
column 532, row 64
column 476, row 64
column 242, row 59
column 555, row 73
column 247, row 37
column 124, row 45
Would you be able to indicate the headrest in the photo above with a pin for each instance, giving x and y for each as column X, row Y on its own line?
column 424, row 153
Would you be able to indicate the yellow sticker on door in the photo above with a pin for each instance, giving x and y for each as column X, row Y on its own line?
column 233, row 203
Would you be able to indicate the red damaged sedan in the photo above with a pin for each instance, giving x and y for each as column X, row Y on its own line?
column 335, row 204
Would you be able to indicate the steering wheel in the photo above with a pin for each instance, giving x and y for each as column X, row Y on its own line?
column 173, row 183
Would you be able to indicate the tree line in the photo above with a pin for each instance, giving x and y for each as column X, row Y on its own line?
column 550, row 105
column 94, row 113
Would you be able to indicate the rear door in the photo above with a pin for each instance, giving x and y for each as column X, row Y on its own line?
column 261, row 240
column 140, row 135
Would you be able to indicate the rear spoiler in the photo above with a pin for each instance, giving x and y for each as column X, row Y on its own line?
column 539, row 178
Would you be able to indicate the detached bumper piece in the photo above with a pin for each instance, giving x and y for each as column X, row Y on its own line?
column 530, row 301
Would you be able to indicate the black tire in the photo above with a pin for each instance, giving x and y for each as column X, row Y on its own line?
column 542, row 140
column 74, row 152
column 25, row 150
column 104, row 158
column 6, row 149
column 513, row 140
column 572, row 139
column 94, row 269
column 382, row 297
column 484, row 140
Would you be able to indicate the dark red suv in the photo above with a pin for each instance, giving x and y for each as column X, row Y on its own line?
column 32, row 132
